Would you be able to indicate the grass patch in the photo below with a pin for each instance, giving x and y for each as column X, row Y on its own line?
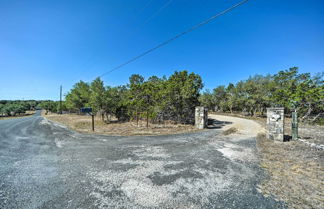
column 296, row 173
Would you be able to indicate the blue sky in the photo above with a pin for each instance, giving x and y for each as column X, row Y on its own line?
column 44, row 44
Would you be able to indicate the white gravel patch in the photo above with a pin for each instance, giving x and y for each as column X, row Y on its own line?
column 143, row 192
column 136, row 190
column 235, row 152
column 58, row 143
column 44, row 122
column 60, row 125
column 312, row 145
column 155, row 151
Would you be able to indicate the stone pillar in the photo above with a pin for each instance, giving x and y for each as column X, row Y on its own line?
column 275, row 124
column 201, row 117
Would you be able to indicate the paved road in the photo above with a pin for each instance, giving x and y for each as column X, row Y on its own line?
column 45, row 165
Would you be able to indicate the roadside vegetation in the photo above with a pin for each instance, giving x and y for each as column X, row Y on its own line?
column 288, row 89
column 154, row 100
column 17, row 108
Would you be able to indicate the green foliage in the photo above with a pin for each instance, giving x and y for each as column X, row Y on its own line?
column 208, row 99
column 78, row 97
column 156, row 99
column 116, row 102
column 49, row 106
column 182, row 96
column 12, row 108
column 97, row 93
column 287, row 89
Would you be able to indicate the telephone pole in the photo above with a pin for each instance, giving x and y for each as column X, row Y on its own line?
column 60, row 99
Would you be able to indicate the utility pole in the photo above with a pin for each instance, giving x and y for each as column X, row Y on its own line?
column 60, row 99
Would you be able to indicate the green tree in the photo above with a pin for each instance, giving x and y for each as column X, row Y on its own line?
column 220, row 96
column 116, row 102
column 78, row 97
column 97, row 94
column 135, row 96
column 49, row 106
column 207, row 99
column 183, row 95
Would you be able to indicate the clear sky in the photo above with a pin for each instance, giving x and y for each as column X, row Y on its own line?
column 44, row 44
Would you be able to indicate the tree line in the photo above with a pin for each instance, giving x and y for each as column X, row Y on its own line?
column 175, row 98
column 154, row 99
column 14, row 107
column 288, row 88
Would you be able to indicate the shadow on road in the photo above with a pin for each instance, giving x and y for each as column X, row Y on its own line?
column 216, row 124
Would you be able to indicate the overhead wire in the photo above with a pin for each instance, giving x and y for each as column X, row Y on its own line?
column 164, row 6
column 175, row 37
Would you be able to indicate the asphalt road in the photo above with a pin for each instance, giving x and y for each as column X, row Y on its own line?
column 45, row 165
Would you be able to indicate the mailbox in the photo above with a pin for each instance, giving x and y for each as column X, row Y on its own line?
column 86, row 110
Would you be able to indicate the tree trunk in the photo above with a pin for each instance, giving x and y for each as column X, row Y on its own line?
column 319, row 114
column 309, row 111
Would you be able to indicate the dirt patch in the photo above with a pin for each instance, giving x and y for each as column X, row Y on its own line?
column 230, row 131
column 296, row 173
column 82, row 123
column 240, row 127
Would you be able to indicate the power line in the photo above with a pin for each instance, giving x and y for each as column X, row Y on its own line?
column 145, row 6
column 175, row 37
column 157, row 12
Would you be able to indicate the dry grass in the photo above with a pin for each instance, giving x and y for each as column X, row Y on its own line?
column 296, row 173
column 82, row 124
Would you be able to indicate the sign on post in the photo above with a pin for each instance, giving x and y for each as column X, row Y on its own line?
column 86, row 110
column 89, row 111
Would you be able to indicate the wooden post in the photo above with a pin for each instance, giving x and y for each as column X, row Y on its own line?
column 92, row 122
column 147, row 119
column 60, row 111
column 294, row 126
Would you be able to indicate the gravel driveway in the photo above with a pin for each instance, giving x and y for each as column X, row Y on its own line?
column 45, row 165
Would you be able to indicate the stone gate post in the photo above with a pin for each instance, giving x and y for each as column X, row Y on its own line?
column 201, row 117
column 275, row 124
